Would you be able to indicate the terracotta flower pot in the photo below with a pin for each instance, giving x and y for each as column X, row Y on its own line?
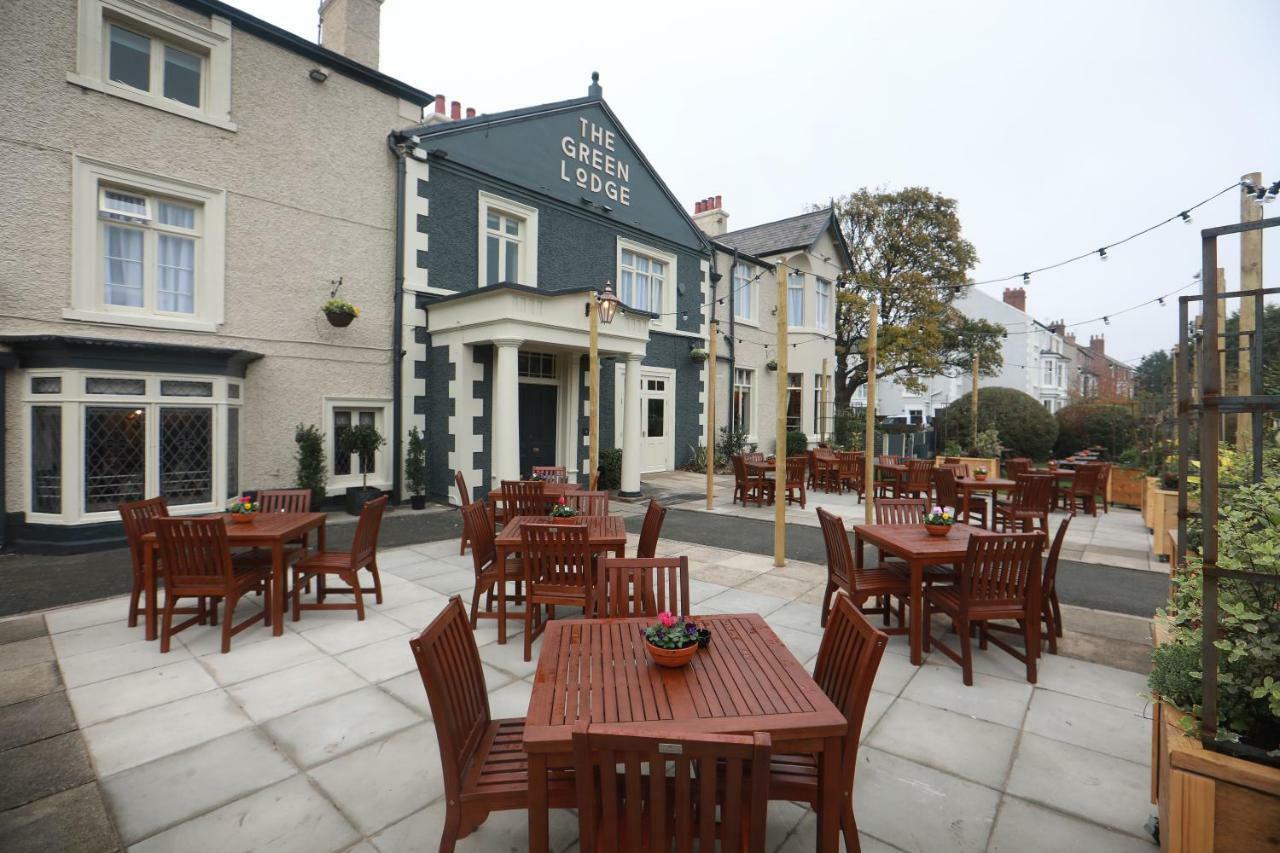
column 938, row 529
column 671, row 657
column 565, row 519
column 243, row 517
column 341, row 319
column 979, row 477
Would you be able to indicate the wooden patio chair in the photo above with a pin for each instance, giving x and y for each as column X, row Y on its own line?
column 557, row 571
column 523, row 497
column 651, row 529
column 1104, row 480
column 195, row 559
column 475, row 521
column 900, row 510
column 484, row 764
column 1015, row 466
column 851, row 469
column 1032, row 495
column 859, row 584
column 999, row 579
column 951, row 460
column 1083, row 489
column 287, row 500
column 346, row 565
column 846, row 668
column 747, row 487
column 139, row 518
column 702, row 791
column 959, row 469
column 919, row 482
column 641, row 587
column 795, row 484
column 464, row 498
column 589, row 503
column 948, row 495
column 1050, row 609
column 551, row 473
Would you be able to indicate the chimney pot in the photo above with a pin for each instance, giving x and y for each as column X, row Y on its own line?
column 471, row 112
column 440, row 104
column 455, row 110
column 698, row 207
column 717, row 202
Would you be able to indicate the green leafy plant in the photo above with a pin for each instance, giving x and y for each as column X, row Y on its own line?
column 1081, row 425
column 732, row 443
column 311, row 472
column 988, row 444
column 610, row 468
column 340, row 306
column 562, row 509
column 363, row 440
column 797, row 443
column 697, row 463
column 243, row 505
column 1022, row 422
column 676, row 632
column 415, row 462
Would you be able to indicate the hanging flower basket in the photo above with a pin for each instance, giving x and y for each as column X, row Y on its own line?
column 340, row 312
column 771, row 364
column 698, row 355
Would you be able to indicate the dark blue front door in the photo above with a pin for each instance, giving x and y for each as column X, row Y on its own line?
column 537, row 426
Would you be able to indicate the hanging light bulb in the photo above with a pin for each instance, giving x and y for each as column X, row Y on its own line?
column 1260, row 196
column 1186, row 217
column 1106, row 321
column 1026, row 278
column 1102, row 253
column 1160, row 299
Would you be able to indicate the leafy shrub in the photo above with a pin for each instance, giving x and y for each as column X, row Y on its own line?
column 797, row 443
column 610, row 469
column 363, row 440
column 697, row 460
column 1023, row 424
column 311, row 471
column 849, row 428
column 1108, row 425
column 732, row 442
column 415, row 462
column 987, row 445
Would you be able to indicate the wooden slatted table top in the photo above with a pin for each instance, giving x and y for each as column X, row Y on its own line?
column 265, row 527
column 608, row 531
column 988, row 483
column 913, row 542
column 550, row 490
column 746, row 680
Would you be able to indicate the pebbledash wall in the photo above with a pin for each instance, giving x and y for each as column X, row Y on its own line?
column 573, row 241
column 294, row 186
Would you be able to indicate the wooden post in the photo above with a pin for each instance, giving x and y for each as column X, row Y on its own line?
column 1250, row 279
column 593, row 389
column 780, row 453
column 822, row 407
column 1220, row 342
column 713, row 332
column 973, row 404
column 869, row 453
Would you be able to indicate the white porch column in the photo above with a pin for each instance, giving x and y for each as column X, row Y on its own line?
column 631, row 415
column 505, row 427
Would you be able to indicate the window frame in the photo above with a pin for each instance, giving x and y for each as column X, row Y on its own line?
column 666, row 318
column 211, row 42
column 380, row 477
column 157, row 62
column 73, row 400
column 797, row 391
column 819, row 300
column 804, row 298
column 90, row 179
column 515, row 210
column 751, row 287
column 750, row 407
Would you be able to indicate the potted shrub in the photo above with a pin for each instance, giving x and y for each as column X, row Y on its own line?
column 311, row 472
column 243, row 510
column 674, row 640
column 415, row 468
column 938, row 521
column 797, row 443
column 698, row 355
column 364, row 440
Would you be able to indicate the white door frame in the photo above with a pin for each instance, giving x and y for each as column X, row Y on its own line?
column 667, row 374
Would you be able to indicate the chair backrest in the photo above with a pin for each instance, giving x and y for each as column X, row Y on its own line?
column 958, row 469
column 193, row 553
column 477, row 529
column 1033, row 492
column 524, row 497
column 551, row 473
column 449, row 664
column 691, row 780
column 642, row 587
column 139, row 519
column 1050, row 579
column 795, row 470
column 840, row 566
column 944, row 481
column 557, row 555
column 284, row 500
column 1104, row 477
column 464, row 494
column 754, row 456
column 1015, row 466
column 901, row 510
column 364, row 545
column 1003, row 567
column 919, row 474
column 589, row 503
column 846, row 668
column 1086, row 479
column 652, row 529
column 739, row 469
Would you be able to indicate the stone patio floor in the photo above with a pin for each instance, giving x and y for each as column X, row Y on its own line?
column 321, row 740
column 1115, row 538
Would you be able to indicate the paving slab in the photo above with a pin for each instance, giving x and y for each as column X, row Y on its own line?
column 35, row 719
column 73, row 821
column 36, row 770
column 30, row 682
column 24, row 653
column 960, row 745
column 323, row 731
column 1022, row 826
column 22, row 628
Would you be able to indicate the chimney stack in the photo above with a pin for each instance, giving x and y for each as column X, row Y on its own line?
column 455, row 110
column 351, row 27
column 1017, row 297
column 1098, row 344
column 709, row 216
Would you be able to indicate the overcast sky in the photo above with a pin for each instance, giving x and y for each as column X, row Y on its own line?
column 1058, row 127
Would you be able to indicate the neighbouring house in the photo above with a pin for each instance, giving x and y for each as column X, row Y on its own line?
column 183, row 184
column 514, row 220
column 1094, row 374
column 813, row 255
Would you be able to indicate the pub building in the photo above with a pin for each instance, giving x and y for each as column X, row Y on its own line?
column 511, row 223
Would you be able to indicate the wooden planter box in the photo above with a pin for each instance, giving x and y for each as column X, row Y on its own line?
column 1164, row 517
column 992, row 465
column 1126, row 486
column 1209, row 802
column 1149, row 485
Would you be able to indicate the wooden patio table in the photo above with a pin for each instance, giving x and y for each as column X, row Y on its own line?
column 761, row 470
column 969, row 485
column 746, row 680
column 604, row 533
column 270, row 530
column 553, row 492
column 897, row 474
column 913, row 544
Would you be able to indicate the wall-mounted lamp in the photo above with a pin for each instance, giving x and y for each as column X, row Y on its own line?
column 318, row 74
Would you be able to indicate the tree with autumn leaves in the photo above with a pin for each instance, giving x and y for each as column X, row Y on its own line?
column 909, row 255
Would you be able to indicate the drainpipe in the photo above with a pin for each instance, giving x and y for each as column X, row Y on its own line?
column 397, row 328
column 733, row 337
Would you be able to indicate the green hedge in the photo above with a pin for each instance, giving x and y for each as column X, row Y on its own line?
column 797, row 443
column 1109, row 425
column 1025, row 427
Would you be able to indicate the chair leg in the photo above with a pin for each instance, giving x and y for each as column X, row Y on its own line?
column 296, row 593
column 1051, row 630
column 528, row 630
column 135, row 599
column 1057, row 612
column 353, row 578
column 1031, row 630
column 826, row 602
column 475, row 605
column 966, row 653
column 166, row 623
column 849, row 827
column 452, row 823
column 228, row 620
column 377, row 581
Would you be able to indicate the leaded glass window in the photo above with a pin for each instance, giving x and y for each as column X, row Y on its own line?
column 186, row 455
column 114, row 456
column 46, row 459
column 115, row 385
column 185, row 388
column 46, row 385
column 233, row 452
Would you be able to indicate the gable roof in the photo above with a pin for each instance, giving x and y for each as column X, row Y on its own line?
column 784, row 235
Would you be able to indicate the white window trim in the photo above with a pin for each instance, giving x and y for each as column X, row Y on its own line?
column 528, row 264
column 821, row 327
column 212, row 42
column 754, row 290
column 666, row 320
column 87, row 301
column 381, row 478
column 749, row 436
column 804, row 300
column 72, row 399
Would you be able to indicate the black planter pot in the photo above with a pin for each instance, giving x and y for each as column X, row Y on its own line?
column 358, row 496
column 418, row 501
column 341, row 319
